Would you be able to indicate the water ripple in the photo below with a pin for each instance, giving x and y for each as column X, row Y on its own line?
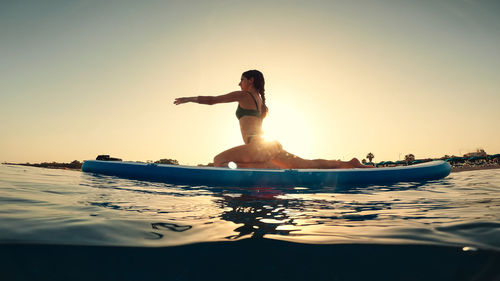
column 69, row 207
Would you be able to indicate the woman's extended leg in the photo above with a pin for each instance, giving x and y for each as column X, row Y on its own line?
column 287, row 160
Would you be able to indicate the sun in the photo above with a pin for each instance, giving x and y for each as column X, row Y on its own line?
column 294, row 131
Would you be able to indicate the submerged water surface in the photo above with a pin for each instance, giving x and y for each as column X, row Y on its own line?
column 71, row 208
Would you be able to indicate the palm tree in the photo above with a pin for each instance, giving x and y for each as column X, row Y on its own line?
column 409, row 158
column 370, row 156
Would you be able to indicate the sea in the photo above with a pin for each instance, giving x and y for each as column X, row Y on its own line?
column 70, row 225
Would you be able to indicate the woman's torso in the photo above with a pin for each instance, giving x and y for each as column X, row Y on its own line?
column 249, row 111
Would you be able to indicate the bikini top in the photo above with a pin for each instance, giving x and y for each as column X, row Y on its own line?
column 240, row 112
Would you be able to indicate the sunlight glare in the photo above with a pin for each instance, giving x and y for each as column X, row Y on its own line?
column 293, row 130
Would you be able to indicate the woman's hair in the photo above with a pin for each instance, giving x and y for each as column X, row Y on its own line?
column 258, row 83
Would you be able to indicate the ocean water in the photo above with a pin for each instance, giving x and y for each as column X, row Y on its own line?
column 69, row 225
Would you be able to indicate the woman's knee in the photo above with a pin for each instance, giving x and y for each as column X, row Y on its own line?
column 223, row 158
column 220, row 160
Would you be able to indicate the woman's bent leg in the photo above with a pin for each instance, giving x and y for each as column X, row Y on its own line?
column 235, row 154
column 253, row 155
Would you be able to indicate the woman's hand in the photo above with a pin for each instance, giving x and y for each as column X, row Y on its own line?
column 184, row 100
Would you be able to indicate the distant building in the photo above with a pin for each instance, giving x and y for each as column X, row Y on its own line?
column 478, row 153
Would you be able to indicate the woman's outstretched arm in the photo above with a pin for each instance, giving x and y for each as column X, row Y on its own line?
column 231, row 97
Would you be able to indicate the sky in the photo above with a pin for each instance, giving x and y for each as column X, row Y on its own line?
column 343, row 78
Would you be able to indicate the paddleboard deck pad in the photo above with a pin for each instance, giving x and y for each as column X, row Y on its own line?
column 246, row 177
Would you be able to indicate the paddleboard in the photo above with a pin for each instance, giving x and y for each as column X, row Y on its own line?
column 246, row 177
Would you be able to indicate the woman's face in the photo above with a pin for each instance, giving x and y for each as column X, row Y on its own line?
column 245, row 84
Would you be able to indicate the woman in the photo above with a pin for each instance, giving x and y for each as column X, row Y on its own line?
column 251, row 111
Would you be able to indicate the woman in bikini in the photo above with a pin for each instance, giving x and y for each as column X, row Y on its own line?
column 256, row 152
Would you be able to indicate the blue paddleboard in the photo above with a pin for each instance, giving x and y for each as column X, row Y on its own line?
column 246, row 177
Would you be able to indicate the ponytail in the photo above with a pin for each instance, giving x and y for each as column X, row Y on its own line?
column 264, row 106
column 258, row 83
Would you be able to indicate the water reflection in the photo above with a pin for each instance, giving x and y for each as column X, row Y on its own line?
column 309, row 213
column 279, row 213
column 170, row 226
column 260, row 213
column 161, row 226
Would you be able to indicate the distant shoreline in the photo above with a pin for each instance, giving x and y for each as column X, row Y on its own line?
column 76, row 165
column 473, row 168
